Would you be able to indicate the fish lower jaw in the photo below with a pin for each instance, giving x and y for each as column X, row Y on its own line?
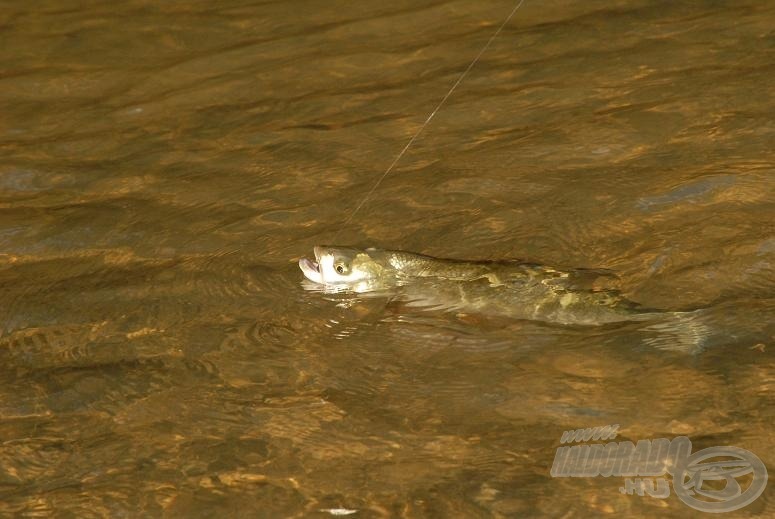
column 311, row 270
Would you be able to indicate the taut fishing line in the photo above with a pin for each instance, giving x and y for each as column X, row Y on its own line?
column 428, row 119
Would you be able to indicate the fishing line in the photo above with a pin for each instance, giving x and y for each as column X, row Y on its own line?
column 428, row 119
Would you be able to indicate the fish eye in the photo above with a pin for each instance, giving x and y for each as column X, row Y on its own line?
column 339, row 268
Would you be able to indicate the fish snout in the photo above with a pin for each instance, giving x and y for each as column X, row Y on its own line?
column 311, row 270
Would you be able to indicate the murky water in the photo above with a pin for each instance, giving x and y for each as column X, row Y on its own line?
column 165, row 164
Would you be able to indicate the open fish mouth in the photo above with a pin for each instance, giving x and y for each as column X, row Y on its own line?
column 311, row 270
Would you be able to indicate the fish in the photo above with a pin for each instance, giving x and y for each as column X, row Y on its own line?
column 513, row 289
column 509, row 288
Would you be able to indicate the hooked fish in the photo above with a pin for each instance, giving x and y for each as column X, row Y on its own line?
column 514, row 289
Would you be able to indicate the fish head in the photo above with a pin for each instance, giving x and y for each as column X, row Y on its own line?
column 346, row 268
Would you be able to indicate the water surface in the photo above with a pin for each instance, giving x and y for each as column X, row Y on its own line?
column 164, row 166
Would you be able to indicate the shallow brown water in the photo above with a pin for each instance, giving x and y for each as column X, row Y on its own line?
column 164, row 166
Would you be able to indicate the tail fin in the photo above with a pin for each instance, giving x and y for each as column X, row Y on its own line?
column 680, row 331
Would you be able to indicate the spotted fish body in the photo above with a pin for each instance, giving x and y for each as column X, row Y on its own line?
column 513, row 289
